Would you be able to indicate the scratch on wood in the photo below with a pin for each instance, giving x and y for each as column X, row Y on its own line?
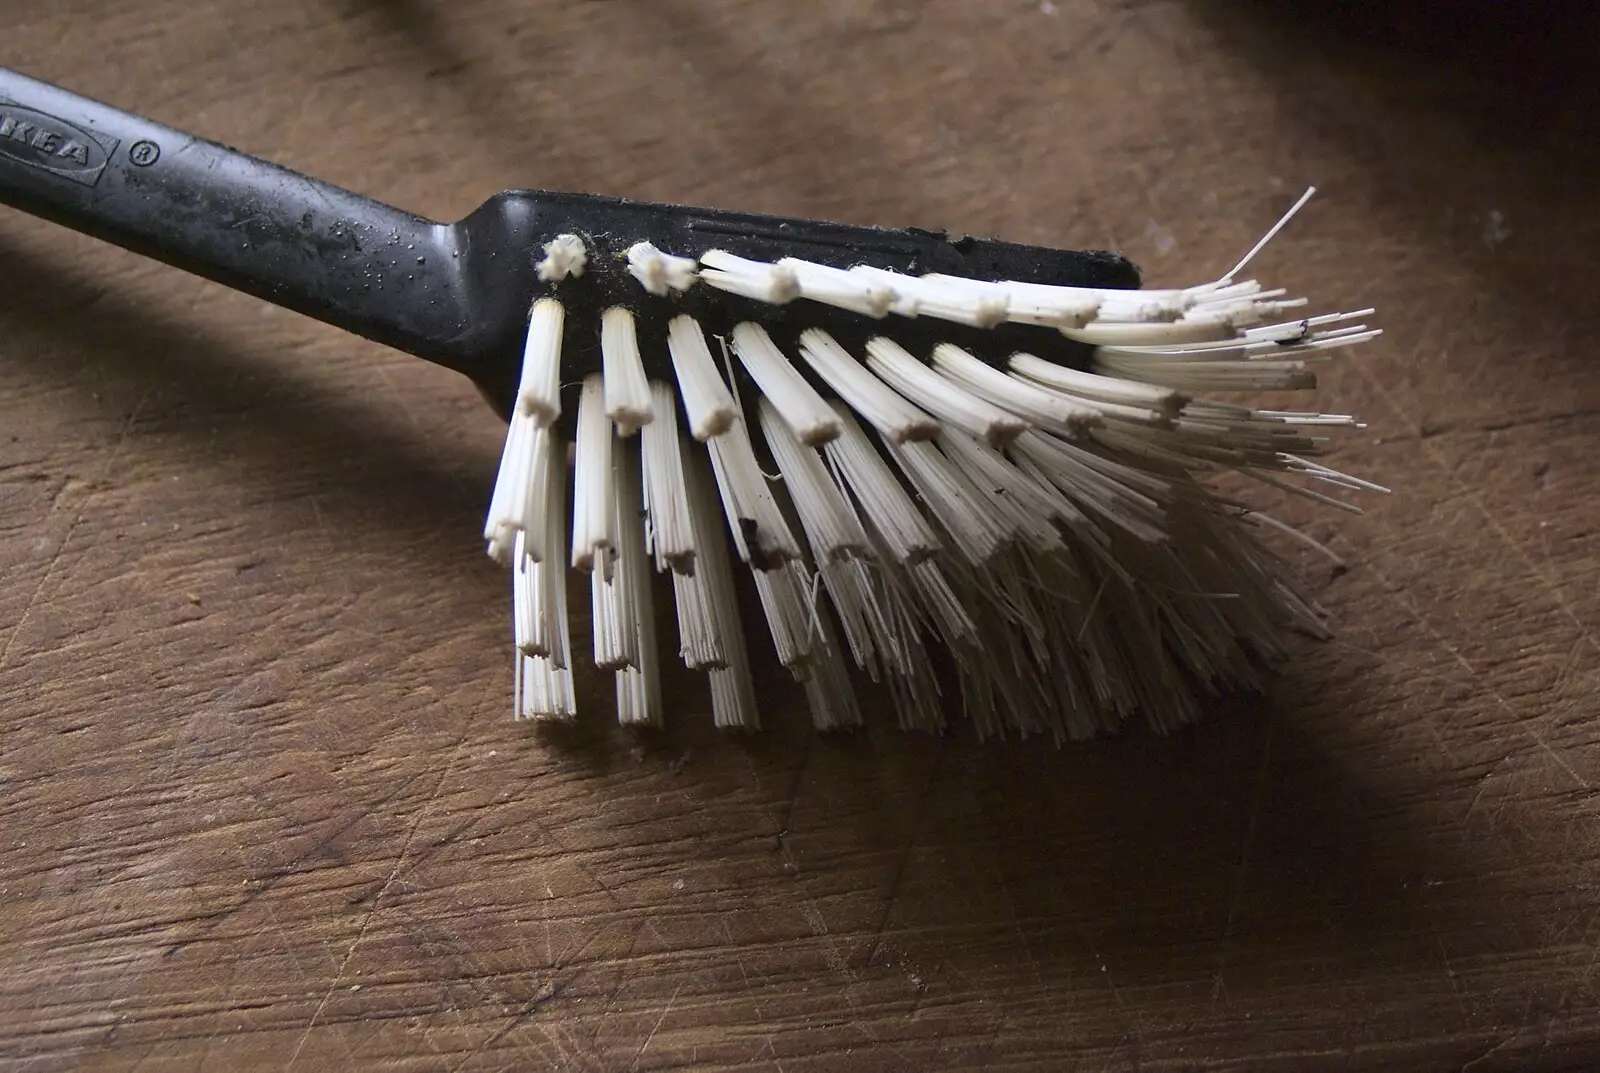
column 377, row 899
column 655, row 1027
column 1256, row 800
column 102, row 481
column 1463, row 491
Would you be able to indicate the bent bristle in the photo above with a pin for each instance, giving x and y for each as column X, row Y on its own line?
column 1041, row 527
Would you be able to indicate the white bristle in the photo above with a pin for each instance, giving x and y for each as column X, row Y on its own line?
column 707, row 401
column 1028, row 401
column 733, row 701
column 881, row 497
column 539, row 391
column 547, row 577
column 612, row 644
column 773, row 284
column 525, row 616
column 592, row 530
column 901, row 303
column 1097, row 388
column 564, row 256
column 660, row 273
column 697, row 637
column 755, row 522
column 879, row 404
column 787, row 606
column 627, row 391
column 861, row 605
column 1009, row 493
column 530, row 499
column 544, row 691
column 1052, row 307
column 1300, row 329
column 942, row 606
column 1092, row 484
column 638, row 684
column 1272, row 232
column 1189, row 375
column 504, row 520
column 666, row 500
column 830, row 523
column 1240, row 348
column 807, row 412
column 937, row 395
column 978, row 533
column 829, row 692
column 544, row 682
column 977, row 303
column 700, row 633
column 1159, row 333
column 1146, row 308
column 840, row 288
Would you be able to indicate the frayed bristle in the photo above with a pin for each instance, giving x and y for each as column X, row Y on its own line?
column 1041, row 528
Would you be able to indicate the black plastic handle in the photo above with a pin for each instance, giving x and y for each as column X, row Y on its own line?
column 219, row 213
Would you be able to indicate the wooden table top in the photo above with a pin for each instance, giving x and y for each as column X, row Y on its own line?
column 263, row 802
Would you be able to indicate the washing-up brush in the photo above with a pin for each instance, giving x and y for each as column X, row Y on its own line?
column 964, row 466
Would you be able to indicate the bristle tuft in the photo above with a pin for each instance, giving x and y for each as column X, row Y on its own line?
column 565, row 256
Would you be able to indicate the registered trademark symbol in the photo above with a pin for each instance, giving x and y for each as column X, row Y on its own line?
column 143, row 154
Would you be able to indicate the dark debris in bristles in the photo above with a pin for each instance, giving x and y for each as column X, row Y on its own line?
column 1000, row 483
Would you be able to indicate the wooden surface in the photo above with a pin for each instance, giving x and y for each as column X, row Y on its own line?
column 263, row 804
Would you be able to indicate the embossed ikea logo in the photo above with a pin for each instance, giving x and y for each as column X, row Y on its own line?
column 54, row 145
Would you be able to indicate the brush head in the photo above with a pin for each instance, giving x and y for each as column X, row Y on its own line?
column 959, row 465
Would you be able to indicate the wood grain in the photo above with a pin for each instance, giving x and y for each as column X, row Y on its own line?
column 263, row 804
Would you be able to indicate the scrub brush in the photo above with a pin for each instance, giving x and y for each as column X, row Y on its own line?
column 976, row 471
